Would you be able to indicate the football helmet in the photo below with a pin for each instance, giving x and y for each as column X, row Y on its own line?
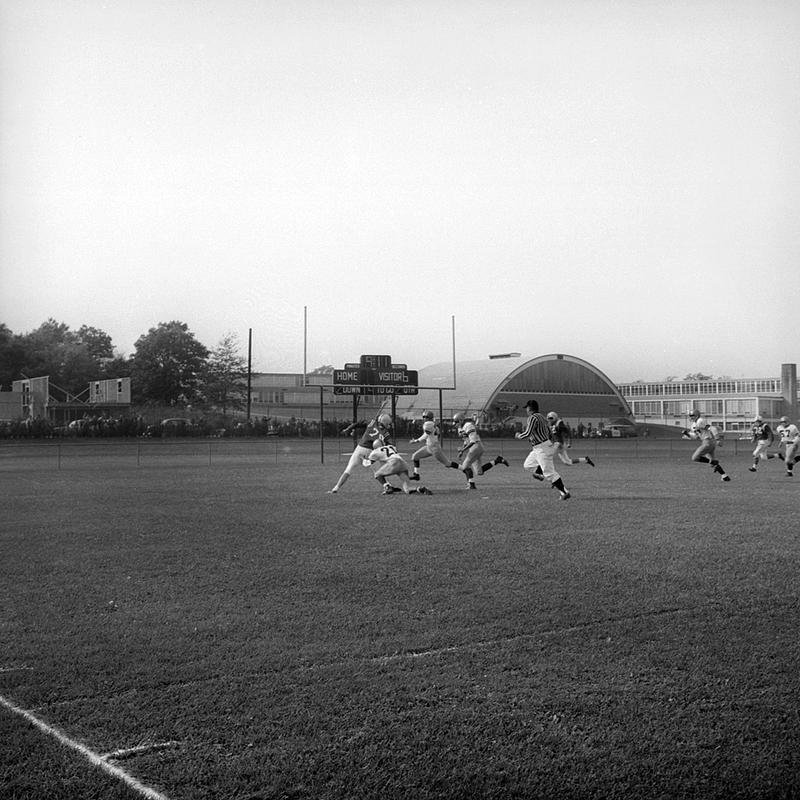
column 552, row 416
column 458, row 417
column 427, row 415
column 385, row 420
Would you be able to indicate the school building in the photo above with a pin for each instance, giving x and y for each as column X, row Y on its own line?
column 729, row 403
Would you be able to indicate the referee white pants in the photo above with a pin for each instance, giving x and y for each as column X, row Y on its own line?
column 541, row 455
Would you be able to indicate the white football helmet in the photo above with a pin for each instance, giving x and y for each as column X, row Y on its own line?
column 552, row 416
column 385, row 420
column 458, row 417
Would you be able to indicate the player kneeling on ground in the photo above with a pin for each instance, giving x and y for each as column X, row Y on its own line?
column 392, row 463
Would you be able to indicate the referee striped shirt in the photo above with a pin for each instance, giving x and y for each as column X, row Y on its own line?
column 536, row 429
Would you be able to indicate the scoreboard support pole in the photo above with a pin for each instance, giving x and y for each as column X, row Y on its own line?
column 321, row 424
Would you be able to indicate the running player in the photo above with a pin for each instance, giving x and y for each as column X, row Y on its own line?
column 790, row 439
column 431, row 436
column 763, row 437
column 562, row 440
column 710, row 437
column 472, row 451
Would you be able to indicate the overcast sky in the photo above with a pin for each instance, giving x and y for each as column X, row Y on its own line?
column 618, row 180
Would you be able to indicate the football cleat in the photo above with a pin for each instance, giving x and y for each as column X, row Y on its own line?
column 387, row 489
column 414, row 477
column 424, row 490
column 589, row 461
column 726, row 478
column 751, row 469
column 537, row 476
column 501, row 460
column 565, row 495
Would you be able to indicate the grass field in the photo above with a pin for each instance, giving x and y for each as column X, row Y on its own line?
column 214, row 625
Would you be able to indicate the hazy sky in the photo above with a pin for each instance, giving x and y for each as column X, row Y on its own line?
column 618, row 180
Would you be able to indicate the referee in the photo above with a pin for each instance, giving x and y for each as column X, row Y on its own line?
column 540, row 459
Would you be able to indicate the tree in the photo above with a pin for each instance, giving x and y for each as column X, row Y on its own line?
column 168, row 364
column 117, row 367
column 12, row 357
column 225, row 383
column 70, row 359
column 97, row 342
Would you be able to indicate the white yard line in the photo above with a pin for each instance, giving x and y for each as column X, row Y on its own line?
column 94, row 758
column 147, row 747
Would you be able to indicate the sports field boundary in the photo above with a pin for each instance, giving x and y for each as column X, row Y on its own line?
column 94, row 758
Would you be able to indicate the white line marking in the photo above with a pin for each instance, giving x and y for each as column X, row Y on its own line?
column 485, row 644
column 127, row 752
column 93, row 758
column 19, row 668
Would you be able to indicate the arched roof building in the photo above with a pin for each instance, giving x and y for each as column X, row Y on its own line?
column 494, row 390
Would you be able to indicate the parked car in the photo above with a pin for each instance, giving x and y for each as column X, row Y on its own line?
column 618, row 431
column 177, row 426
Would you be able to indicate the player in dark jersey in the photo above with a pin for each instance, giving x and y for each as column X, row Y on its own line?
column 763, row 437
column 377, row 429
column 562, row 439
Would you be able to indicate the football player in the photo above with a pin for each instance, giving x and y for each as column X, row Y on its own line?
column 763, row 437
column 472, row 451
column 790, row 439
column 392, row 463
column 431, row 436
column 562, row 439
column 377, row 429
column 710, row 437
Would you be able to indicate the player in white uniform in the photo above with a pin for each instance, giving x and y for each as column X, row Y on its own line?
column 790, row 439
column 390, row 462
column 432, row 447
column 763, row 437
column 377, row 429
column 710, row 438
column 472, row 451
column 562, row 439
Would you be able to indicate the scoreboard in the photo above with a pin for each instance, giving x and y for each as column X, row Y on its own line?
column 375, row 374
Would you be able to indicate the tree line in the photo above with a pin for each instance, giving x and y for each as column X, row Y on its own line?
column 169, row 365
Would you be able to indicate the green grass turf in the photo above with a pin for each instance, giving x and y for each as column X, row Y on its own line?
column 639, row 640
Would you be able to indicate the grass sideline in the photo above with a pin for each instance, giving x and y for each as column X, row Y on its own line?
column 239, row 633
